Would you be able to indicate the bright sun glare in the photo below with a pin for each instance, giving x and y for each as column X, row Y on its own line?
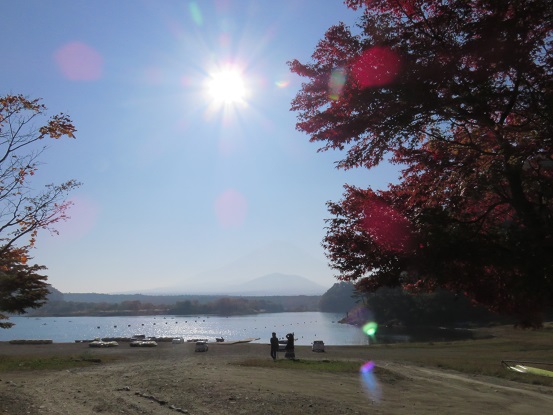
column 227, row 86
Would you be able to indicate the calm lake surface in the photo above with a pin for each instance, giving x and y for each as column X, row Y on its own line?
column 307, row 326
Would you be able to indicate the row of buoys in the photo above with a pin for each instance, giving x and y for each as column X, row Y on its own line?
column 176, row 322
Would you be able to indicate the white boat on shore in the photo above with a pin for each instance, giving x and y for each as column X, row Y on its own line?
column 101, row 344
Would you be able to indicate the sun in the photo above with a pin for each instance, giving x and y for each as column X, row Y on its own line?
column 227, row 86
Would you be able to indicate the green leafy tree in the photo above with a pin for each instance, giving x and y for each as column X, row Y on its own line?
column 459, row 94
column 23, row 210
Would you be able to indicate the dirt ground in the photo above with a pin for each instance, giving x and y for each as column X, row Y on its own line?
column 172, row 379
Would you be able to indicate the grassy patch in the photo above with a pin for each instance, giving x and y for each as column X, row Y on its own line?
column 495, row 370
column 28, row 363
column 472, row 357
column 330, row 366
column 479, row 357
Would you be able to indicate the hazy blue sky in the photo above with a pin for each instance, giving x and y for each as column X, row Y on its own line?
column 175, row 185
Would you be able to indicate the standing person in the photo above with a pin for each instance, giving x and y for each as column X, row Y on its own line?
column 274, row 346
column 290, row 353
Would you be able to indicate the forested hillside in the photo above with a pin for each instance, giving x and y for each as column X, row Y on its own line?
column 60, row 304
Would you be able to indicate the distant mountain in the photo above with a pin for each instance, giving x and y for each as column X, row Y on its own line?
column 239, row 277
column 277, row 284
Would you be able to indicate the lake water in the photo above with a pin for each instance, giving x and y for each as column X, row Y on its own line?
column 306, row 326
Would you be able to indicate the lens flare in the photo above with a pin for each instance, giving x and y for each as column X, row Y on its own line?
column 196, row 13
column 367, row 367
column 231, row 209
column 336, row 83
column 370, row 328
column 375, row 67
column 83, row 212
column 369, row 381
column 79, row 62
column 359, row 315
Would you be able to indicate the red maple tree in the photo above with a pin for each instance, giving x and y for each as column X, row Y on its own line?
column 460, row 95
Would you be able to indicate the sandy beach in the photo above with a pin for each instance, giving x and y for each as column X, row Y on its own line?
column 172, row 379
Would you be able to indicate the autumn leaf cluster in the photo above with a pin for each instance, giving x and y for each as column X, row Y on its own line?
column 24, row 210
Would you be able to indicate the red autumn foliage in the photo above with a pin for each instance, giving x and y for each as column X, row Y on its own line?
column 467, row 112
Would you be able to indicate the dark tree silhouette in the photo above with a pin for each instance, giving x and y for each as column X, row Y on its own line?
column 21, row 285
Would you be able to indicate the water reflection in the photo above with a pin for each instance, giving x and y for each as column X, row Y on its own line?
column 307, row 327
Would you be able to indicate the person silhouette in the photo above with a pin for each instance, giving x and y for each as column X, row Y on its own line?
column 274, row 346
column 290, row 354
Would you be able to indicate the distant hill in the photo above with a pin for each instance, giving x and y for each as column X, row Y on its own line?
column 340, row 298
column 94, row 304
column 54, row 295
column 152, row 299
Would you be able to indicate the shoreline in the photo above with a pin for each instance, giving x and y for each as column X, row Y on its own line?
column 308, row 326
